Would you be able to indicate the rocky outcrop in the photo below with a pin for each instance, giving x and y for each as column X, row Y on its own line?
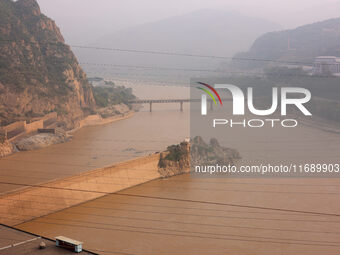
column 113, row 110
column 174, row 161
column 38, row 71
column 212, row 153
column 178, row 158
column 40, row 141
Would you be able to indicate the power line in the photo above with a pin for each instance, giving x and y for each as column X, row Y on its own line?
column 228, row 204
column 206, row 224
column 259, row 74
column 215, row 216
column 261, row 184
column 157, row 206
column 169, row 180
column 176, row 199
column 171, row 207
column 161, row 52
column 168, row 53
column 113, row 252
column 250, row 191
column 191, row 236
column 178, row 187
column 190, row 232
column 187, row 223
column 105, row 208
column 174, row 213
column 197, row 223
column 151, row 67
column 191, row 55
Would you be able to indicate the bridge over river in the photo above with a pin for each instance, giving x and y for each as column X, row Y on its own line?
column 165, row 101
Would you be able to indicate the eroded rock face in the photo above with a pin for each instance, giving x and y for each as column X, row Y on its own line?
column 38, row 71
column 113, row 110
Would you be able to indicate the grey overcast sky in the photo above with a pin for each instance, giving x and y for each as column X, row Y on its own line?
column 84, row 21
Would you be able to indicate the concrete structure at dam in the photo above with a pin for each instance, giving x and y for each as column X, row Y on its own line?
column 37, row 200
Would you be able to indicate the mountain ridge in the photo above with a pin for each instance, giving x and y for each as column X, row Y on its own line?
column 203, row 32
column 302, row 44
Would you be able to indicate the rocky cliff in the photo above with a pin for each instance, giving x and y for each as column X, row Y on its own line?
column 38, row 71
column 174, row 161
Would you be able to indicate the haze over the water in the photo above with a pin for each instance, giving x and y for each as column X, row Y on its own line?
column 84, row 21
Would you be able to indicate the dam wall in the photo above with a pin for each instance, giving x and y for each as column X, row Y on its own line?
column 41, row 199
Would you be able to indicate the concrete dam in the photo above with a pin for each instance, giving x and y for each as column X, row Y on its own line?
column 33, row 201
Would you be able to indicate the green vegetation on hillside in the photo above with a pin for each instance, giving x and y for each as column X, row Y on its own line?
column 112, row 95
column 177, row 152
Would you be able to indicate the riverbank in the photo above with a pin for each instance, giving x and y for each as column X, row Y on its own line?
column 35, row 141
column 97, row 120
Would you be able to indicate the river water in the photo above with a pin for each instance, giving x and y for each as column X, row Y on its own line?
column 185, row 215
column 98, row 146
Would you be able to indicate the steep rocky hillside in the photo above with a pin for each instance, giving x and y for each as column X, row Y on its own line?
column 301, row 44
column 38, row 71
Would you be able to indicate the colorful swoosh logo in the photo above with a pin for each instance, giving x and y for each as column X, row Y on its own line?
column 209, row 93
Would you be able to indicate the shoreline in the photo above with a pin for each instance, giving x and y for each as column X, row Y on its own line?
column 97, row 120
column 10, row 147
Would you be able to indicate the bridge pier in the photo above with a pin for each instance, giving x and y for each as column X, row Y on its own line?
column 150, row 106
column 181, row 106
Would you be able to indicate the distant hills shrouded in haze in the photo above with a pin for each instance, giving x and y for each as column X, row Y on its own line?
column 204, row 32
column 302, row 44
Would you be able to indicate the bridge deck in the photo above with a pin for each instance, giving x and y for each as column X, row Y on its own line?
column 180, row 101
column 147, row 101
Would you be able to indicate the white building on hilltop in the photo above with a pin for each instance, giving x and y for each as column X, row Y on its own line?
column 326, row 65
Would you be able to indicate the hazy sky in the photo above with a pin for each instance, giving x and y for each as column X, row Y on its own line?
column 83, row 21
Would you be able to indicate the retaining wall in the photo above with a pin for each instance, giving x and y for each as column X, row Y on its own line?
column 33, row 126
column 20, row 128
column 14, row 126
